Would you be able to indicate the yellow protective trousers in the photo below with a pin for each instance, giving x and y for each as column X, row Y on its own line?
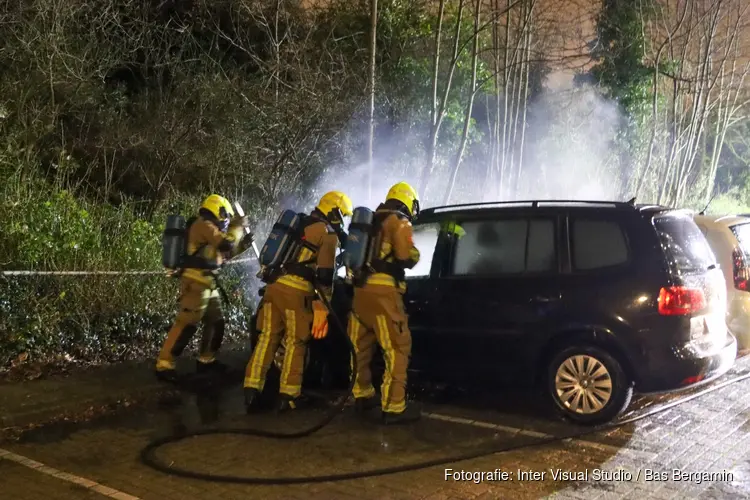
column 378, row 315
column 197, row 303
column 285, row 313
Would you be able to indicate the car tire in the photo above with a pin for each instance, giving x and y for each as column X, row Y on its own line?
column 608, row 389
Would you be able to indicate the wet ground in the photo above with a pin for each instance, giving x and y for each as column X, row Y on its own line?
column 100, row 459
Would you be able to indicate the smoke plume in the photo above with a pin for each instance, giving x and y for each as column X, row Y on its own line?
column 570, row 153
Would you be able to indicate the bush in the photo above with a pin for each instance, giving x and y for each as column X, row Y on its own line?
column 93, row 318
column 732, row 203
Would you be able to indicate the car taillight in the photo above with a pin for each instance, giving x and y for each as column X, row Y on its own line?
column 680, row 300
column 740, row 272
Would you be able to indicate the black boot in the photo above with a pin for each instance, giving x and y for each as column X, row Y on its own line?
column 410, row 414
column 363, row 405
column 287, row 403
column 252, row 400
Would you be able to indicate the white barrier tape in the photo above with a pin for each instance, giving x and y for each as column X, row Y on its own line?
column 239, row 261
column 78, row 273
column 105, row 273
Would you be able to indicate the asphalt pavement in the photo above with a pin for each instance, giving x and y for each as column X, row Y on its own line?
column 80, row 437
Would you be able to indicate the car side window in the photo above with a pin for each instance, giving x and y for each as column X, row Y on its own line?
column 597, row 244
column 541, row 255
column 425, row 239
column 510, row 246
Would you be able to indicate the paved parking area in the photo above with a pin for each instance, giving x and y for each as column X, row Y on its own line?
column 700, row 449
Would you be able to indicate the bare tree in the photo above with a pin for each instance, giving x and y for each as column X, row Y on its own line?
column 513, row 57
column 704, row 89
column 671, row 32
column 371, row 91
column 730, row 87
column 469, row 106
column 438, row 107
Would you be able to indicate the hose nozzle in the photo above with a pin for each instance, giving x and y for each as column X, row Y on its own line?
column 238, row 210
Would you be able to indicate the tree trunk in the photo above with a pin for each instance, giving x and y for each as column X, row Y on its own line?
column 435, row 127
column 469, row 107
column 436, row 108
column 727, row 103
column 654, row 114
column 506, row 92
column 371, row 90
column 525, row 96
column 277, row 53
column 495, row 181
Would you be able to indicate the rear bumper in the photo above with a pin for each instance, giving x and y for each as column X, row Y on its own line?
column 687, row 367
column 738, row 318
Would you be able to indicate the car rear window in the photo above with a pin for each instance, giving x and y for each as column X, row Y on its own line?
column 742, row 233
column 683, row 243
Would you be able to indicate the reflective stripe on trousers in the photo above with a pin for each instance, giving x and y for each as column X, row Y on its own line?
column 286, row 314
column 378, row 315
column 197, row 304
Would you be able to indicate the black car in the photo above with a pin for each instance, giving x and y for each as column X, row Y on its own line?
column 592, row 300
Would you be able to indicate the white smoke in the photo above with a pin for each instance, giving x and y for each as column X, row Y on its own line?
column 570, row 154
column 572, row 151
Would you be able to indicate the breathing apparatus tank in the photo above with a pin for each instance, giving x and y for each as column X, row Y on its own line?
column 281, row 245
column 173, row 242
column 359, row 246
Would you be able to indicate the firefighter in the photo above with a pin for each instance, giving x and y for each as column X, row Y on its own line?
column 290, row 308
column 215, row 234
column 378, row 309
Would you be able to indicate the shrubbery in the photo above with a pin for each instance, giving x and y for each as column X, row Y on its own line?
column 93, row 317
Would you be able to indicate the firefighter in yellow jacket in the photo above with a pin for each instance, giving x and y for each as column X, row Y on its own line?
column 290, row 309
column 212, row 236
column 378, row 309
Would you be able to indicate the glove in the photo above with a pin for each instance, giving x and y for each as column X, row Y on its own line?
column 235, row 233
column 236, row 221
column 320, row 320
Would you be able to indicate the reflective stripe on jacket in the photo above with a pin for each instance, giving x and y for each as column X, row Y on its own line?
column 204, row 235
column 397, row 245
column 321, row 261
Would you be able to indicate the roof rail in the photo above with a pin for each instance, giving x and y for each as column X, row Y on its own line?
column 527, row 203
column 649, row 207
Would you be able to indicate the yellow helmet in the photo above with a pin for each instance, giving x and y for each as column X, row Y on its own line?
column 407, row 195
column 219, row 207
column 338, row 203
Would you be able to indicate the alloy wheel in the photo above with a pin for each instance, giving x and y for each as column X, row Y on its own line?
column 583, row 384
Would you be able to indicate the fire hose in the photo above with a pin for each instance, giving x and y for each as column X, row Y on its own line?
column 148, row 453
